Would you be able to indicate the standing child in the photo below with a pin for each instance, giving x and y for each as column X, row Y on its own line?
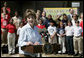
column 41, row 30
column 61, row 34
column 78, row 41
column 40, row 24
column 18, row 31
column 69, row 38
column 11, row 37
column 52, row 31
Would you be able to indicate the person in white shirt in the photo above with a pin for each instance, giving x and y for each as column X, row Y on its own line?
column 69, row 38
column 19, row 29
column 74, row 19
column 17, row 19
column 18, row 32
column 77, row 39
column 52, row 31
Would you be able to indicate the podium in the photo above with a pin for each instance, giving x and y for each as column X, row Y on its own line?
column 41, row 48
column 33, row 48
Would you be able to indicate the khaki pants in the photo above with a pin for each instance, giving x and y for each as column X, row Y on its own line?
column 11, row 42
column 52, row 41
column 78, row 44
column 4, row 36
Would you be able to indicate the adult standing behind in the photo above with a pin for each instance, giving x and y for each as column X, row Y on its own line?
column 44, row 16
column 65, row 20
column 81, row 22
column 74, row 19
column 29, row 34
column 47, row 21
column 11, row 37
column 58, row 20
column 38, row 16
column 71, row 11
column 17, row 19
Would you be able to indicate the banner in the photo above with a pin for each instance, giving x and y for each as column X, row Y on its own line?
column 55, row 11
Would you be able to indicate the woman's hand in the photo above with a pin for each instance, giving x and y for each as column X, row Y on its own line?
column 29, row 43
column 36, row 43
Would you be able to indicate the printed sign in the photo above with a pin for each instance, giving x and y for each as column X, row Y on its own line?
column 55, row 11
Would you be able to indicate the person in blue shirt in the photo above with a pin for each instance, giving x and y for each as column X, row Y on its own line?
column 61, row 37
column 29, row 34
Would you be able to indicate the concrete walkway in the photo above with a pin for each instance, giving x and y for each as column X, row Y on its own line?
column 43, row 55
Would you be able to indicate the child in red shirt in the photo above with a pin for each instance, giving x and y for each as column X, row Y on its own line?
column 40, row 25
column 41, row 29
column 11, row 37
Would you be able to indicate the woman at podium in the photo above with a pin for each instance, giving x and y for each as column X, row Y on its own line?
column 29, row 34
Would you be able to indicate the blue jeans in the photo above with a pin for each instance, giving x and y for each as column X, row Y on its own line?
column 69, row 44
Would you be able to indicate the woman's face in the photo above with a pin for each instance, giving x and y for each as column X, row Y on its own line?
column 31, row 21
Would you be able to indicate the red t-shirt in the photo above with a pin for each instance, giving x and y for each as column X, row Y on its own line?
column 81, row 24
column 11, row 28
column 41, row 26
column 4, row 23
